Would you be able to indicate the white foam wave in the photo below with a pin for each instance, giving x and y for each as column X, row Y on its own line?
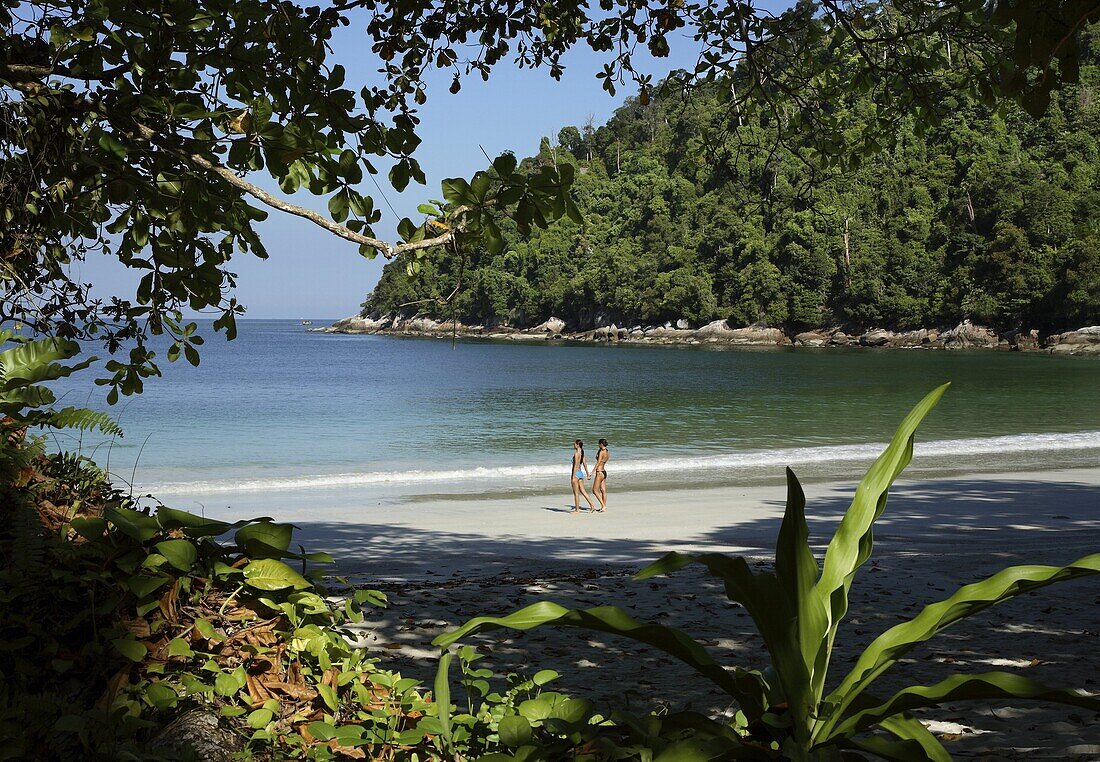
column 733, row 461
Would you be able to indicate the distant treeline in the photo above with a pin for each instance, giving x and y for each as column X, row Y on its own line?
column 995, row 218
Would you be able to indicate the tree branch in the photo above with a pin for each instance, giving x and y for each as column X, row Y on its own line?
column 28, row 79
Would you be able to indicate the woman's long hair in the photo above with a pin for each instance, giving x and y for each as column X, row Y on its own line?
column 579, row 444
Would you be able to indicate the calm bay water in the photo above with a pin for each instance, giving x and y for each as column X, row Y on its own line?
column 281, row 409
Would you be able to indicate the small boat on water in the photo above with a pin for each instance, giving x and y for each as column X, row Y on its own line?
column 307, row 322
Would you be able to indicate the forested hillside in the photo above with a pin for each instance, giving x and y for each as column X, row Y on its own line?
column 991, row 217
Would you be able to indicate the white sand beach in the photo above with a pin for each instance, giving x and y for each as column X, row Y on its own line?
column 452, row 559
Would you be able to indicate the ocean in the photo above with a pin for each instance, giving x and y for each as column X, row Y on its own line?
column 289, row 415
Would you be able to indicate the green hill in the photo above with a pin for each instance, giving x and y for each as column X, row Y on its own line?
column 991, row 217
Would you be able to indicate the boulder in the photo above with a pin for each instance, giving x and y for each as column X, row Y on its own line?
column 966, row 335
column 876, row 338
column 683, row 325
column 1022, row 340
column 553, row 325
column 422, row 325
column 358, row 324
column 716, row 328
column 811, row 339
column 1081, row 341
column 841, row 339
column 923, row 337
column 757, row 334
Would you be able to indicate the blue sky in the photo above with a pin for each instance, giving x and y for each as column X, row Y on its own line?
column 311, row 273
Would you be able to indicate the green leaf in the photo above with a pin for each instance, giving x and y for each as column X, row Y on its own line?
column 328, row 694
column 899, row 640
column 514, row 731
column 322, row 731
column 744, row 686
column 137, row 525
column 544, row 676
column 112, row 145
column 796, row 572
column 130, row 648
column 270, row 574
column 90, row 528
column 204, row 628
column 774, row 616
column 264, row 539
column 338, row 206
column 494, row 241
column 260, row 718
column 194, row 526
column 986, row 686
column 182, row 554
column 179, row 647
column 442, row 695
column 161, row 695
column 226, row 684
column 458, row 192
column 851, row 544
column 143, row 585
column 505, row 164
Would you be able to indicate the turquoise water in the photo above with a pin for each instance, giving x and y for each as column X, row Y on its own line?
column 281, row 409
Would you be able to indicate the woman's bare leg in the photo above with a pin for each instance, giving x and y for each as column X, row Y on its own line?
column 576, row 495
column 599, row 489
column 580, row 485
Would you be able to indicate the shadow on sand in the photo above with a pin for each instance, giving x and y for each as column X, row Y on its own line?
column 933, row 537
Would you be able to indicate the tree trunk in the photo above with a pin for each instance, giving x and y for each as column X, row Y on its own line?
column 847, row 253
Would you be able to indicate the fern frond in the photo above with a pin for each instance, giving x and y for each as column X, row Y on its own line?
column 82, row 419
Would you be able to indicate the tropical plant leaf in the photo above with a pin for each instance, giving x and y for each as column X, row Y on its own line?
column 36, row 361
column 135, row 524
column 774, row 615
column 744, row 686
column 797, row 571
column 443, row 695
column 915, row 742
column 985, row 686
column 265, row 539
column 891, row 645
column 182, row 554
column 851, row 544
column 193, row 525
column 271, row 574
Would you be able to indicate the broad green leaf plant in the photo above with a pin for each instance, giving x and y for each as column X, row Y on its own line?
column 25, row 402
column 786, row 710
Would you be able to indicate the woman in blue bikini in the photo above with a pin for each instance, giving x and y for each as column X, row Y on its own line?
column 578, row 472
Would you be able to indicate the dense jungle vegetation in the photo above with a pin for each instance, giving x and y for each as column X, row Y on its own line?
column 991, row 215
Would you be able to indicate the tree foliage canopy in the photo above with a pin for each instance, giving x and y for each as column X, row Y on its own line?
column 987, row 216
column 132, row 129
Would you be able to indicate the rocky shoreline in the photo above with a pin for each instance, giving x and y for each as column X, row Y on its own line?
column 966, row 335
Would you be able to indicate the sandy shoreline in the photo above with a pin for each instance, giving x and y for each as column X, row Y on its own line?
column 1037, row 512
column 448, row 561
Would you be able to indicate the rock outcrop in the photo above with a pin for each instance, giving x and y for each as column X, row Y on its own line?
column 811, row 339
column 718, row 328
column 358, row 324
column 759, row 335
column 966, row 335
column 553, row 326
column 1079, row 342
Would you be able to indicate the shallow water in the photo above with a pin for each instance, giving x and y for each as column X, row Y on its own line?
column 281, row 409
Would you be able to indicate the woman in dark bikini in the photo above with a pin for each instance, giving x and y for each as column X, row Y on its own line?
column 578, row 472
column 599, row 486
